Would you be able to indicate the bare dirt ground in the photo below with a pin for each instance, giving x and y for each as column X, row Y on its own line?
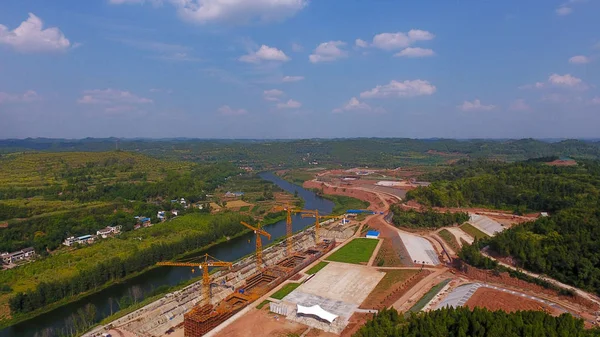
column 559, row 162
column 357, row 320
column 261, row 323
column 498, row 300
column 394, row 284
column 237, row 204
column 388, row 254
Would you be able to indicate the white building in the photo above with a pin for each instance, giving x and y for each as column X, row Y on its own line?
column 23, row 254
column 85, row 239
column 108, row 231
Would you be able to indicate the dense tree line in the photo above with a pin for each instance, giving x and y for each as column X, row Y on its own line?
column 426, row 219
column 378, row 152
column 563, row 246
column 115, row 269
column 462, row 322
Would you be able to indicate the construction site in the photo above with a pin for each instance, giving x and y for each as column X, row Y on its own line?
column 329, row 279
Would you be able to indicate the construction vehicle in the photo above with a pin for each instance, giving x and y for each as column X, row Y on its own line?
column 258, row 231
column 207, row 261
column 315, row 214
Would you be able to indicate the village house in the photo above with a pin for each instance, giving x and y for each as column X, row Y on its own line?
column 234, row 194
column 23, row 254
column 161, row 215
column 109, row 231
column 82, row 240
column 142, row 222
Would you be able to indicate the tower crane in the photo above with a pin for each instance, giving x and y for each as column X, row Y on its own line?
column 208, row 261
column 315, row 214
column 258, row 231
column 288, row 224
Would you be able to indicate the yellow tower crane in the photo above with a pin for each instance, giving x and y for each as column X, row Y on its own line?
column 315, row 214
column 258, row 231
column 208, row 261
column 288, row 224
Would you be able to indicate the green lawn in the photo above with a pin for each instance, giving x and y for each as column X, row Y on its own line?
column 316, row 268
column 244, row 208
column 262, row 304
column 427, row 297
column 357, row 251
column 344, row 203
column 449, row 239
column 283, row 292
column 474, row 232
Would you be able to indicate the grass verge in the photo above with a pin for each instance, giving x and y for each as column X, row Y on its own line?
column 427, row 297
column 449, row 239
column 285, row 290
column 317, row 267
column 262, row 304
column 344, row 203
column 474, row 232
column 357, row 251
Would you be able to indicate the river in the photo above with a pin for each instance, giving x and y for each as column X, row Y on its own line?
column 232, row 250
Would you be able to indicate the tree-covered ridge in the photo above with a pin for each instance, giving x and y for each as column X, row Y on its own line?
column 564, row 245
column 426, row 219
column 380, row 152
column 69, row 273
column 462, row 322
column 519, row 186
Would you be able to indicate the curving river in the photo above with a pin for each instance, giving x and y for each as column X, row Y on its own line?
column 105, row 300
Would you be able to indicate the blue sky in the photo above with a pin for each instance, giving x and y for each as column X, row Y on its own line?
column 299, row 68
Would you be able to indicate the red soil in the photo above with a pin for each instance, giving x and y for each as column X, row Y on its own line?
column 498, row 300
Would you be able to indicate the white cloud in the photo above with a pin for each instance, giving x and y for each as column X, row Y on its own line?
column 290, row 104
column 272, row 95
column 237, row 11
column 475, row 106
column 399, row 40
column 558, row 81
column 519, row 105
column 415, row 52
column 400, row 89
column 565, row 80
column 265, row 53
column 30, row 37
column 564, row 10
column 27, row 96
column 111, row 96
column 579, row 59
column 228, row 111
column 361, row 43
column 328, row 51
column 353, row 104
column 297, row 47
column 292, row 78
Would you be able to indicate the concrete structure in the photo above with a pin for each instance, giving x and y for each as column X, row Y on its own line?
column 485, row 224
column 85, row 239
column 388, row 183
column 20, row 255
column 109, row 231
column 420, row 250
column 459, row 296
column 317, row 311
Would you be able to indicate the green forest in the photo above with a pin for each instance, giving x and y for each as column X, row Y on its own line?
column 426, row 219
column 564, row 245
column 463, row 322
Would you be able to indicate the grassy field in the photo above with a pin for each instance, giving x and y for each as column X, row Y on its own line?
column 344, row 203
column 357, row 251
column 262, row 304
column 474, row 232
column 449, row 239
column 45, row 169
column 285, row 290
column 298, row 176
column 427, row 297
column 316, row 268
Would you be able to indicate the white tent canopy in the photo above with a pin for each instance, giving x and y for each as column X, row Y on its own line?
column 316, row 310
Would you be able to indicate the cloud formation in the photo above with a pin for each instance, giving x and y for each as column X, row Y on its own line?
column 265, row 53
column 272, row 95
column 558, row 81
column 111, row 96
column 28, row 96
column 401, row 89
column 415, row 52
column 226, row 110
column 232, row 11
column 328, row 51
column 399, row 40
column 475, row 106
column 290, row 104
column 579, row 59
column 292, row 78
column 30, row 37
column 353, row 104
